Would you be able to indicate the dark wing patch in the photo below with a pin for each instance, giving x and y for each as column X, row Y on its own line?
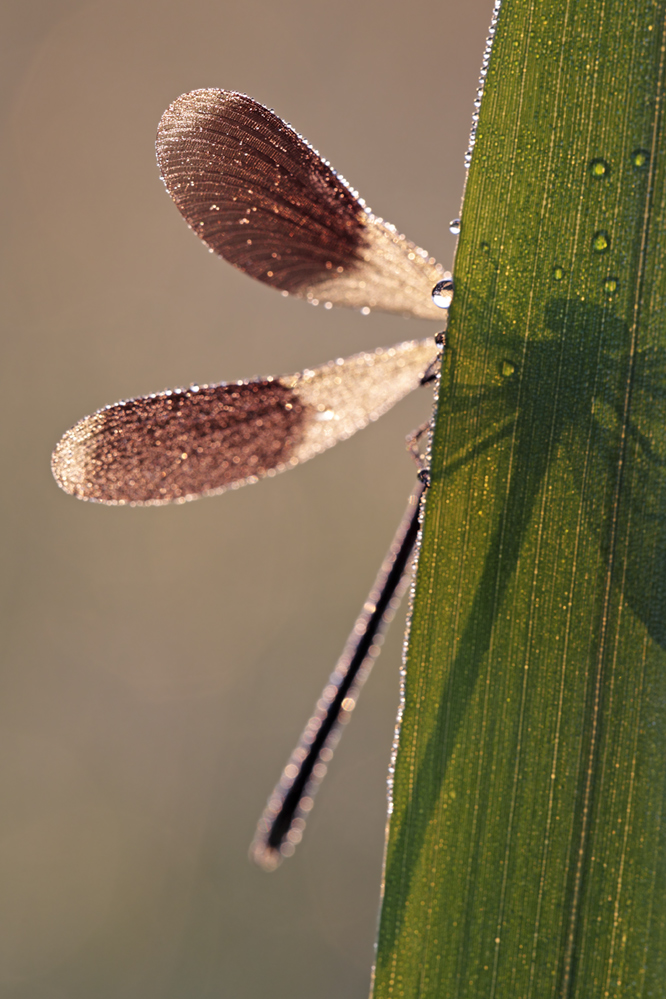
column 256, row 192
column 174, row 445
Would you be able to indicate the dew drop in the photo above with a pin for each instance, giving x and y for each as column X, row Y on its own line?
column 599, row 168
column 442, row 293
column 640, row 158
column 454, row 226
column 601, row 242
column 484, row 247
column 558, row 273
column 610, row 285
column 507, row 368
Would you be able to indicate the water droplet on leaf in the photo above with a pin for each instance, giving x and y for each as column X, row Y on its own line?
column 610, row 285
column 558, row 273
column 599, row 168
column 601, row 242
column 640, row 158
column 454, row 226
column 442, row 293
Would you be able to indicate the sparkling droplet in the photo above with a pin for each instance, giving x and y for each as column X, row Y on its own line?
column 484, row 247
column 507, row 368
column 482, row 79
column 610, row 285
column 454, row 226
column 601, row 242
column 558, row 273
column 599, row 168
column 442, row 293
column 640, row 158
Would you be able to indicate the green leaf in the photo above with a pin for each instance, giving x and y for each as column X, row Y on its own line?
column 526, row 847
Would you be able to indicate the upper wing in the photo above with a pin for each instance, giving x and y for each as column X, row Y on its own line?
column 261, row 197
column 177, row 445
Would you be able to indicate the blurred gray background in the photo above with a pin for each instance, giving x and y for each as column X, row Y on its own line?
column 158, row 664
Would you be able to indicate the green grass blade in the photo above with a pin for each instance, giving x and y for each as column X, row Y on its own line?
column 526, row 847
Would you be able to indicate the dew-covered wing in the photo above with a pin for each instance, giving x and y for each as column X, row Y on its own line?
column 261, row 197
column 176, row 445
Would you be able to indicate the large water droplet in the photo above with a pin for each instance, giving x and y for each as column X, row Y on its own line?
column 640, row 158
column 558, row 273
column 507, row 368
column 442, row 293
column 484, row 247
column 601, row 242
column 599, row 168
column 610, row 285
column 454, row 226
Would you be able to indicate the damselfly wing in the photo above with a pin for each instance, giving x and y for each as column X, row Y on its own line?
column 261, row 197
column 181, row 444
